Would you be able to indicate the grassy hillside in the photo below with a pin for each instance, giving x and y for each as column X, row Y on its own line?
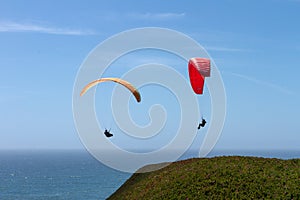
column 231, row 177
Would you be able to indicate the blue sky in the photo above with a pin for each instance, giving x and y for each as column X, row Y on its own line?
column 255, row 45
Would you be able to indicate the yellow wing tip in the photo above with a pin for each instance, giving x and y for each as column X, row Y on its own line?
column 82, row 92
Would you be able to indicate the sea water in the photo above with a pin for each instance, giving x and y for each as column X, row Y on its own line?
column 75, row 175
column 56, row 175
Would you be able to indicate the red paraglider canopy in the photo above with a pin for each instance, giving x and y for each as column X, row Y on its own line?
column 199, row 68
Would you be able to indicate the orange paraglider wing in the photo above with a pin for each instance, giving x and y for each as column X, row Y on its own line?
column 126, row 84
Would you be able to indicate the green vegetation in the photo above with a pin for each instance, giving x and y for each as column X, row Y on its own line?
column 232, row 177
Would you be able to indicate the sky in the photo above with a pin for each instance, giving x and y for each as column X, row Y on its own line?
column 254, row 44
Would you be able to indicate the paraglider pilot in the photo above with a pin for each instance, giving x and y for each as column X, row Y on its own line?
column 202, row 124
column 107, row 133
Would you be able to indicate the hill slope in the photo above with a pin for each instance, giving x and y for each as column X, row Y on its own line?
column 217, row 178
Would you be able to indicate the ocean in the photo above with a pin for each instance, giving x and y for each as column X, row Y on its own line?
column 72, row 175
column 56, row 175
